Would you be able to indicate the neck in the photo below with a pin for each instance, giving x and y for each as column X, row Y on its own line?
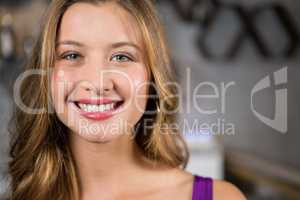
column 108, row 166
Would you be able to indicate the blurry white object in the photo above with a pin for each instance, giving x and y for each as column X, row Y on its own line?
column 7, row 37
column 206, row 155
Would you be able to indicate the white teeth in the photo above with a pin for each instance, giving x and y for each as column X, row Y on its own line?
column 96, row 108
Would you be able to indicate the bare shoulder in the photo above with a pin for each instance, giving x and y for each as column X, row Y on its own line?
column 223, row 190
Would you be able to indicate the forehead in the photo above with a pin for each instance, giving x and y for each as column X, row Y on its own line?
column 102, row 23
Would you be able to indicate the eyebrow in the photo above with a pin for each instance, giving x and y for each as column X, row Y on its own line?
column 120, row 44
column 69, row 42
column 113, row 45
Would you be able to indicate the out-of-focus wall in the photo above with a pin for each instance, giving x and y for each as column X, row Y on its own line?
column 19, row 26
column 244, row 71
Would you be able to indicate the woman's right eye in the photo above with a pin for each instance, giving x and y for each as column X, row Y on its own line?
column 70, row 56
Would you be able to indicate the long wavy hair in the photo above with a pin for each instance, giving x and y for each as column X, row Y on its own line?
column 42, row 166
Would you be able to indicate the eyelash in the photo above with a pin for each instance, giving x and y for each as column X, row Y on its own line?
column 66, row 56
column 129, row 58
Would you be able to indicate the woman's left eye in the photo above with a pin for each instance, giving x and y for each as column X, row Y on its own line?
column 121, row 58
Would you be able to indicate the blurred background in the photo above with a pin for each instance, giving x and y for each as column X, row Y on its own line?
column 237, row 63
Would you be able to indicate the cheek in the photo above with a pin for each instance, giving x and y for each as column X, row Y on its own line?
column 60, row 82
column 55, row 79
column 140, row 88
column 139, row 80
column 130, row 81
column 139, row 77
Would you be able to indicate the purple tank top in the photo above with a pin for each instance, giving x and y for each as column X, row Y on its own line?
column 202, row 188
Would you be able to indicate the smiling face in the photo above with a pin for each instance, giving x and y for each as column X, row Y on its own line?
column 99, row 82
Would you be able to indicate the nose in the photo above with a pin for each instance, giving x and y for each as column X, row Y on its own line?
column 96, row 80
column 99, row 87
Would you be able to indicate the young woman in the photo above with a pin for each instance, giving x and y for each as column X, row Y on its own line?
column 106, row 76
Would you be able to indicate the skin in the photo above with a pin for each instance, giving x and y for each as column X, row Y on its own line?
column 110, row 165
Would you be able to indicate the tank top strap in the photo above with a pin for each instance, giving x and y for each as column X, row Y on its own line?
column 202, row 188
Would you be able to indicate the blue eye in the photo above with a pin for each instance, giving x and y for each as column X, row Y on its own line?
column 70, row 56
column 121, row 58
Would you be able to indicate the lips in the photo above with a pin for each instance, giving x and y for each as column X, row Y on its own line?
column 98, row 109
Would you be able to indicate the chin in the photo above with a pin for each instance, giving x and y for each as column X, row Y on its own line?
column 97, row 138
column 99, row 132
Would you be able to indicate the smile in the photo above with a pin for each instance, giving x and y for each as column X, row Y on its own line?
column 98, row 109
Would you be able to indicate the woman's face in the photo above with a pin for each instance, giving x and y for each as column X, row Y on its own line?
column 99, row 83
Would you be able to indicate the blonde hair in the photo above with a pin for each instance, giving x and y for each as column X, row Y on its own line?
column 42, row 166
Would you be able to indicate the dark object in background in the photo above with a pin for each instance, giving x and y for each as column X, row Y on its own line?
column 249, row 30
column 206, row 13
column 195, row 10
column 13, row 2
